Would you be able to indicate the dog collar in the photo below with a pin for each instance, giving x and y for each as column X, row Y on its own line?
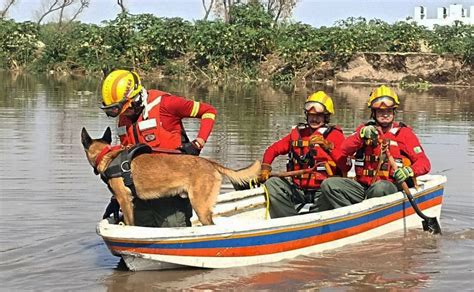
column 104, row 151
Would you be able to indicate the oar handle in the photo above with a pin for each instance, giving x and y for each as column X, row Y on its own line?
column 406, row 189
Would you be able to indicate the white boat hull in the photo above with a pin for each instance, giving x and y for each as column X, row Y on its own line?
column 249, row 239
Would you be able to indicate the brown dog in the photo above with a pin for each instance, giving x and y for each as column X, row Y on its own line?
column 161, row 175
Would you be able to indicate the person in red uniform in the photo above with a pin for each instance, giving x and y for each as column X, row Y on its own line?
column 155, row 117
column 312, row 144
column 374, row 176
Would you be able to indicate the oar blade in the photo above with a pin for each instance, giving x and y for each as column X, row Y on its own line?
column 431, row 225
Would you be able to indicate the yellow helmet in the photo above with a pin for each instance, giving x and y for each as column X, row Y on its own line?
column 383, row 97
column 119, row 86
column 320, row 102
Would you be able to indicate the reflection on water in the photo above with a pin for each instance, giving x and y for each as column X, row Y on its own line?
column 50, row 200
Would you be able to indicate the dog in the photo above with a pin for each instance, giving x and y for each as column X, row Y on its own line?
column 158, row 175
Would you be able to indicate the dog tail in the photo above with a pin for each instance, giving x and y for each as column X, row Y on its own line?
column 240, row 176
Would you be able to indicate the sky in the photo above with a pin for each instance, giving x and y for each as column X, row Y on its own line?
column 314, row 12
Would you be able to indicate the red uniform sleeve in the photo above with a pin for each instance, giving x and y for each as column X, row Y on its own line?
column 184, row 108
column 281, row 147
column 337, row 138
column 411, row 147
column 352, row 143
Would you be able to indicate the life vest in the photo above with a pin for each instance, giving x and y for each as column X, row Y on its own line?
column 367, row 158
column 303, row 155
column 148, row 129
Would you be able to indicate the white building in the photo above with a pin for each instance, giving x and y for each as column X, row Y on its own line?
column 445, row 16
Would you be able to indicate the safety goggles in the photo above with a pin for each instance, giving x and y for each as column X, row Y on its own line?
column 382, row 102
column 115, row 109
column 318, row 107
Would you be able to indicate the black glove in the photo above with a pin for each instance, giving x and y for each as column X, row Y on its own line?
column 191, row 148
column 112, row 208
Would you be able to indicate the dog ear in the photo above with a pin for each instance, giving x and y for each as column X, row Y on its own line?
column 85, row 139
column 107, row 137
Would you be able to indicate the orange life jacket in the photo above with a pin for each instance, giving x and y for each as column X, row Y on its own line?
column 367, row 159
column 304, row 155
column 148, row 129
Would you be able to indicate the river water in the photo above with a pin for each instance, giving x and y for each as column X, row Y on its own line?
column 50, row 200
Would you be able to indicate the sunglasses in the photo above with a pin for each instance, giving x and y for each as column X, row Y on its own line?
column 114, row 109
column 318, row 107
column 382, row 102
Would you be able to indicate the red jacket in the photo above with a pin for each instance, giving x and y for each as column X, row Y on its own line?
column 160, row 123
column 284, row 146
column 404, row 145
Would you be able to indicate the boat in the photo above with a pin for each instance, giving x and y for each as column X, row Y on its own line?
column 244, row 235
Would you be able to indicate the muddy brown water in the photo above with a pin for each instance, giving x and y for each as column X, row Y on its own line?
column 50, row 200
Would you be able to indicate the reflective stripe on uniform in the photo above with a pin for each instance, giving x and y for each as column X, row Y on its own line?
column 195, row 109
column 394, row 130
column 150, row 106
column 208, row 116
column 359, row 163
column 121, row 130
column 147, row 124
column 371, row 172
column 322, row 130
column 303, row 143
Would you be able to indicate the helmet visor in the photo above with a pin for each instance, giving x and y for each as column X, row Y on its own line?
column 314, row 107
column 114, row 109
column 382, row 102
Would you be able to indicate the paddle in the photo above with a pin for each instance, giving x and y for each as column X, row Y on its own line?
column 293, row 172
column 256, row 182
column 430, row 224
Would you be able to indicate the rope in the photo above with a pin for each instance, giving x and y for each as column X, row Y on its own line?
column 267, row 199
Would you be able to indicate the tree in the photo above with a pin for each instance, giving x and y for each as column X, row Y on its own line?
column 122, row 6
column 279, row 9
column 60, row 6
column 207, row 8
column 8, row 4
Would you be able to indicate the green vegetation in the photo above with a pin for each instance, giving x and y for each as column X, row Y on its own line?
column 215, row 49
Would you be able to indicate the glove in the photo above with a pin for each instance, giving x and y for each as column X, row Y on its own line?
column 192, row 148
column 112, row 208
column 402, row 174
column 369, row 132
column 265, row 171
column 325, row 144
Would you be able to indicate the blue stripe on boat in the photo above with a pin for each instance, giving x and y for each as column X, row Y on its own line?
column 279, row 237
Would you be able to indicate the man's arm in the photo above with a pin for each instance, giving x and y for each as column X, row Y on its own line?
column 337, row 138
column 411, row 147
column 352, row 143
column 280, row 147
column 184, row 108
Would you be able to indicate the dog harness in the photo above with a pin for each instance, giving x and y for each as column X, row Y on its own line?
column 120, row 166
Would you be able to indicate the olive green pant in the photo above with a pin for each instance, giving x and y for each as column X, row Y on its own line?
column 286, row 199
column 165, row 212
column 338, row 192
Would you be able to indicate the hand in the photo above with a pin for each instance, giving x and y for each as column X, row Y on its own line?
column 369, row 132
column 193, row 148
column 402, row 174
column 112, row 208
column 265, row 171
column 325, row 144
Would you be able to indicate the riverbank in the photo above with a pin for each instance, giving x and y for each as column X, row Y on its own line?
column 408, row 70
